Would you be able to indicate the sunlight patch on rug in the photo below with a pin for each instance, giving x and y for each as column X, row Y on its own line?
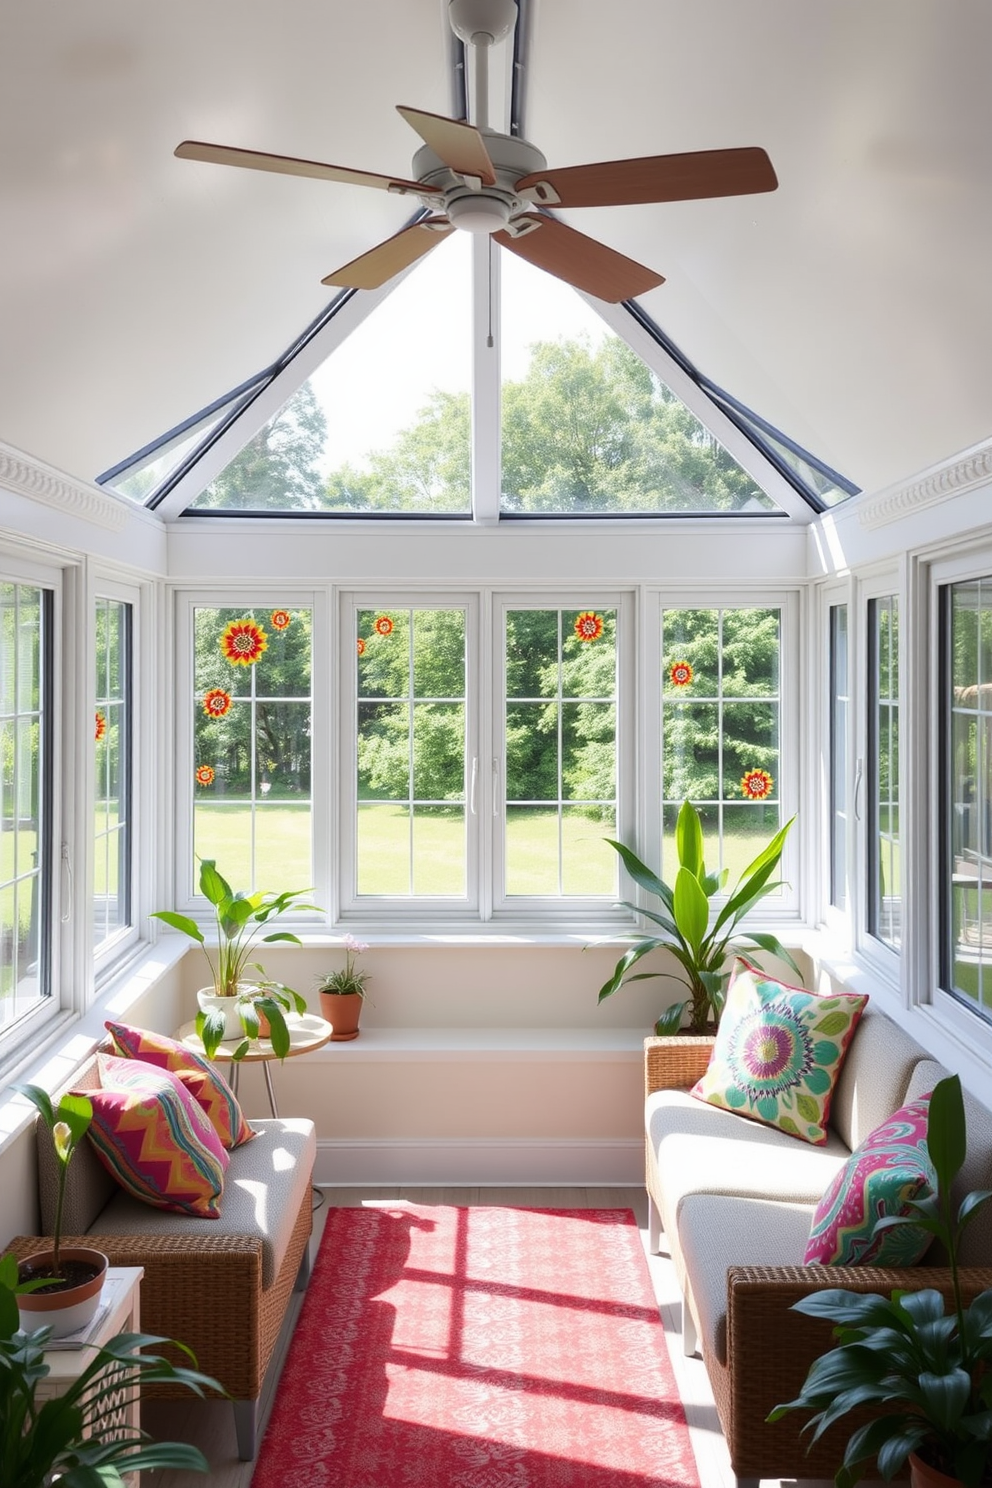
column 482, row 1347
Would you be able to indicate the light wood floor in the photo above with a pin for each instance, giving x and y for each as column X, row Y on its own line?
column 209, row 1424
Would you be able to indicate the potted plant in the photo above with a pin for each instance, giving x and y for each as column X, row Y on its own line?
column 699, row 932
column 927, row 1367
column 78, row 1439
column 342, row 992
column 61, row 1287
column 234, row 1004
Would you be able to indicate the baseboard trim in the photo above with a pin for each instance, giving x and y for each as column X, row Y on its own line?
column 470, row 1161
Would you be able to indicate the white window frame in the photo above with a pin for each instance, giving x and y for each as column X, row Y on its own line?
column 838, row 921
column 883, row 959
column 107, row 957
column 398, row 908
column 789, row 602
column 68, row 992
column 185, row 899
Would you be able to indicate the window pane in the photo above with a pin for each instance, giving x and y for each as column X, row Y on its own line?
column 384, row 424
column 587, row 427
column 967, row 918
column 721, row 722
column 25, row 845
column 561, row 747
column 839, row 708
column 112, row 768
column 411, row 752
column 252, row 745
column 885, row 864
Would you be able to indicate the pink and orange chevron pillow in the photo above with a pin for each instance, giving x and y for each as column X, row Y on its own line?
column 155, row 1139
column 202, row 1079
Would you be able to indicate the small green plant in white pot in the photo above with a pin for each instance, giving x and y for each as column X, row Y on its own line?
column 241, row 995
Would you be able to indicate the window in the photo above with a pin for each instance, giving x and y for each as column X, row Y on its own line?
column 967, row 752
column 839, row 718
column 112, row 773
column 560, row 738
column 410, row 832
column 884, row 852
column 251, row 766
column 26, row 836
column 721, row 728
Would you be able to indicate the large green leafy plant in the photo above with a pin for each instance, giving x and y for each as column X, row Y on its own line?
column 240, row 919
column 927, row 1368
column 698, row 929
column 75, row 1440
column 68, row 1123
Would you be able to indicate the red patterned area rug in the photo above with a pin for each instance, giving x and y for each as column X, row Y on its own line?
column 443, row 1347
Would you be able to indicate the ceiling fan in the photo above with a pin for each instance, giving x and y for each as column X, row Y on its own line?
column 470, row 177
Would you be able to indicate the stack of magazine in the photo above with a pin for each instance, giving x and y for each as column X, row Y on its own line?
column 89, row 1331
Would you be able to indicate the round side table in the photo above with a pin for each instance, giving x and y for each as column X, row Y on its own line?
column 306, row 1033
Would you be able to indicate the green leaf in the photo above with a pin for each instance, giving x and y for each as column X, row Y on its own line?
column 179, row 922
column 671, row 1020
column 773, row 947
column 281, row 935
column 214, row 888
column 692, row 909
column 770, row 855
column 689, row 840
column 41, row 1099
column 77, row 1113
column 210, row 1030
column 641, row 874
column 946, row 1131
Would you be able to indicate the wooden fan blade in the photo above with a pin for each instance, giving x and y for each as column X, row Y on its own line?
column 655, row 178
column 460, row 146
column 580, row 261
column 388, row 258
column 288, row 165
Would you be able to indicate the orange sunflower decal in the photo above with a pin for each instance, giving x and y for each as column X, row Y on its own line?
column 383, row 625
column 280, row 619
column 589, row 626
column 243, row 642
column 205, row 775
column 101, row 725
column 756, row 785
column 216, row 702
column 681, row 673
column 361, row 645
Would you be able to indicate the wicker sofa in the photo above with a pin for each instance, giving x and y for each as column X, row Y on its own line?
column 220, row 1286
column 732, row 1200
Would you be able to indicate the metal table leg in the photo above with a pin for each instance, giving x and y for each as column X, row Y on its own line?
column 268, row 1086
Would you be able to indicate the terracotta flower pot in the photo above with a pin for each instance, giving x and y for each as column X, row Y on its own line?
column 922, row 1475
column 342, row 1010
column 70, row 1307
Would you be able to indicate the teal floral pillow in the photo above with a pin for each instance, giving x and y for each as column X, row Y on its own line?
column 779, row 1052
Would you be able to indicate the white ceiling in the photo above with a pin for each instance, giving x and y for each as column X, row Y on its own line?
column 850, row 307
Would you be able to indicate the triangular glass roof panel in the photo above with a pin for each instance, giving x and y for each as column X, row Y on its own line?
column 588, row 429
column 142, row 474
column 384, row 424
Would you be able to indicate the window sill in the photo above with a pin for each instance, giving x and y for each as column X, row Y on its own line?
column 489, row 1046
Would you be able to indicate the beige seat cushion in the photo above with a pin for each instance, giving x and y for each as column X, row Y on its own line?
column 267, row 1181
column 716, row 1232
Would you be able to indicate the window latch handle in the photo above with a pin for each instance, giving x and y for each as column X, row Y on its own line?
column 67, row 876
column 859, row 776
column 495, row 786
column 471, row 789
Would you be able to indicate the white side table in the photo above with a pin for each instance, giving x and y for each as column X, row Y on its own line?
column 66, row 1365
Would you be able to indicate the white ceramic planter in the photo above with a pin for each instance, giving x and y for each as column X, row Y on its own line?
column 207, row 999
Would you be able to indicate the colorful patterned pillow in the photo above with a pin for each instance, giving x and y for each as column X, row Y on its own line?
column 202, row 1079
column 778, row 1053
column 891, row 1166
column 155, row 1139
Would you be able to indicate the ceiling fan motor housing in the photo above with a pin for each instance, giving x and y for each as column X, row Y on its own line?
column 470, row 204
column 486, row 18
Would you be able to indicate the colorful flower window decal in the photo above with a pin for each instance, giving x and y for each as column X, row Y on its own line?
column 216, row 702
column 280, row 619
column 756, row 785
column 361, row 645
column 100, row 725
column 383, row 625
column 205, row 775
column 680, row 673
column 243, row 642
column 589, row 626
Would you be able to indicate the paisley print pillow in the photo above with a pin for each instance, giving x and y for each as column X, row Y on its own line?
column 778, row 1053
column 891, row 1166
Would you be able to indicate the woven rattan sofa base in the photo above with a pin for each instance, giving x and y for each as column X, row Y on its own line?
column 208, row 1293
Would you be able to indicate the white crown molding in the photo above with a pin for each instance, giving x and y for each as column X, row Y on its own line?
column 25, row 476
column 941, row 482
